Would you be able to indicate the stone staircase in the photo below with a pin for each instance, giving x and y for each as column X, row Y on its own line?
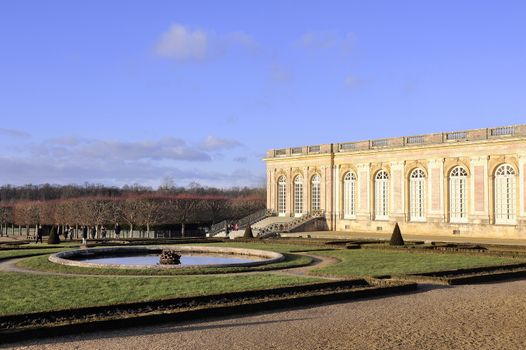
column 260, row 225
column 273, row 225
column 291, row 224
column 218, row 230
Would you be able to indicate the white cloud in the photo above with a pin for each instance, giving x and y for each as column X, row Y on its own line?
column 14, row 133
column 25, row 171
column 241, row 159
column 78, row 160
column 184, row 44
column 327, row 40
column 352, row 81
column 242, row 39
column 212, row 143
column 73, row 149
column 280, row 74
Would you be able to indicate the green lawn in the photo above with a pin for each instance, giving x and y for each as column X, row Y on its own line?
column 13, row 253
column 369, row 262
column 23, row 293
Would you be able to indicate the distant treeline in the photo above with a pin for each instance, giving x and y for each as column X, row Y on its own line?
column 131, row 206
column 10, row 194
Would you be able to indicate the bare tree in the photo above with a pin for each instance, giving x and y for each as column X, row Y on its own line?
column 182, row 208
column 6, row 217
column 130, row 210
column 97, row 211
column 27, row 214
column 244, row 206
column 218, row 207
column 152, row 210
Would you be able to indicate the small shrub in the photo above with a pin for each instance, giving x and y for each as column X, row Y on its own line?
column 396, row 237
column 53, row 236
column 248, row 232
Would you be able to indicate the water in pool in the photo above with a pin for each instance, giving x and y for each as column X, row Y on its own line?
column 194, row 259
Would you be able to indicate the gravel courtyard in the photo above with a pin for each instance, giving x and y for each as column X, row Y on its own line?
column 487, row 316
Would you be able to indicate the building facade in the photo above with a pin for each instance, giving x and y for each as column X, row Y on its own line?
column 469, row 183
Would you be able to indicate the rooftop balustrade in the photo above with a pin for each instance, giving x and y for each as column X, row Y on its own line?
column 501, row 132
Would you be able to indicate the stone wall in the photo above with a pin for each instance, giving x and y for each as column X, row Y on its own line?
column 480, row 152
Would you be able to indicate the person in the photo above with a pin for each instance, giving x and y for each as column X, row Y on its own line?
column 117, row 230
column 39, row 234
column 84, row 234
column 93, row 232
column 103, row 232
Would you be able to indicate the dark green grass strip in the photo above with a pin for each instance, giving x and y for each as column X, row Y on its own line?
column 23, row 293
column 371, row 262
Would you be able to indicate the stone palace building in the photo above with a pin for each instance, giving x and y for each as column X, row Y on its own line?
column 468, row 183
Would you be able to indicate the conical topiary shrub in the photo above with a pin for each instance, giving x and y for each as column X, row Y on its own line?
column 396, row 237
column 53, row 236
column 248, row 232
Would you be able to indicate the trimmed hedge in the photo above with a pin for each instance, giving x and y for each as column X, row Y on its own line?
column 396, row 237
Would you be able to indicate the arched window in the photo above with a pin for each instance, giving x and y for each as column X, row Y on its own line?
column 282, row 195
column 315, row 192
column 298, row 195
column 458, row 179
column 381, row 192
column 505, row 209
column 417, row 183
column 349, row 196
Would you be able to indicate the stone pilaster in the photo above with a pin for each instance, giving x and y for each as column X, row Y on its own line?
column 270, row 188
column 522, row 189
column 306, row 190
column 479, row 190
column 289, row 194
column 397, row 191
column 435, row 207
column 363, row 192
column 337, row 192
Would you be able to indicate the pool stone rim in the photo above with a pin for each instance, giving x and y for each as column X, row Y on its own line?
column 65, row 257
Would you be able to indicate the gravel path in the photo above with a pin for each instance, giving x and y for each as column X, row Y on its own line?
column 487, row 316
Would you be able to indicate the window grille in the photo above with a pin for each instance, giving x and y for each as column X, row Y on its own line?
column 381, row 195
column 505, row 192
column 457, row 195
column 349, row 196
column 282, row 195
column 298, row 195
column 417, row 183
column 315, row 192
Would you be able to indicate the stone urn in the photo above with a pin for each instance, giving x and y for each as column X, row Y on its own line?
column 169, row 257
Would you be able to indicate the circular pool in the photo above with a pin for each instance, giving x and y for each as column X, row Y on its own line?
column 147, row 257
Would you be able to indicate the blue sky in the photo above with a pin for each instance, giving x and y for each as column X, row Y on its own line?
column 122, row 92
